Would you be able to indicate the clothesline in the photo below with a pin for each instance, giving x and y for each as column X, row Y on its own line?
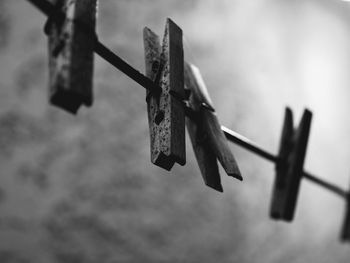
column 251, row 146
column 48, row 9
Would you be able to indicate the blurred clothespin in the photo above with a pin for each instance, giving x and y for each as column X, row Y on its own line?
column 289, row 167
column 208, row 140
column 71, row 35
column 345, row 234
column 166, row 115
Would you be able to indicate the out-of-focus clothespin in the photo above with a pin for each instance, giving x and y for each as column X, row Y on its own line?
column 345, row 234
column 71, row 36
column 166, row 114
column 289, row 167
column 208, row 140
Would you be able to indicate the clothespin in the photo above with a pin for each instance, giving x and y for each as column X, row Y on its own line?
column 71, row 36
column 166, row 115
column 208, row 140
column 289, row 168
column 345, row 234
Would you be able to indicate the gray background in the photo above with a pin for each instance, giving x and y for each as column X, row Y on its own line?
column 82, row 189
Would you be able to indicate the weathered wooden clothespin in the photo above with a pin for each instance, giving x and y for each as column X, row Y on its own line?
column 71, row 36
column 208, row 140
column 166, row 115
column 345, row 234
column 289, row 167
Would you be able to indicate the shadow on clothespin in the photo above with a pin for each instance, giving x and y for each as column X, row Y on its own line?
column 345, row 234
column 289, row 167
column 71, row 49
column 166, row 115
column 208, row 140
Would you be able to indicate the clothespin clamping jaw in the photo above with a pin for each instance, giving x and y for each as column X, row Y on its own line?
column 208, row 140
column 289, row 167
column 345, row 234
column 71, row 35
column 166, row 115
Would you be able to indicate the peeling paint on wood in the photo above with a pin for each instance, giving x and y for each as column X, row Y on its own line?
column 71, row 54
column 166, row 115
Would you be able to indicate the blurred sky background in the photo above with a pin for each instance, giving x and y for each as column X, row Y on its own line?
column 82, row 189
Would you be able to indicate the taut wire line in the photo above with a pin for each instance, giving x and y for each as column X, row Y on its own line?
column 48, row 9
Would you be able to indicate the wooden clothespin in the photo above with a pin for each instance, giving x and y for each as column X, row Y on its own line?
column 166, row 115
column 289, row 168
column 208, row 140
column 71, row 35
column 345, row 234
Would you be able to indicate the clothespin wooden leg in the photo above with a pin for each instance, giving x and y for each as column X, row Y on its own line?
column 71, row 51
column 219, row 145
column 289, row 169
column 345, row 234
column 166, row 115
column 208, row 140
column 206, row 158
column 278, row 196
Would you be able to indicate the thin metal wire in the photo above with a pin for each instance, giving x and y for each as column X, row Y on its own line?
column 251, row 146
column 124, row 67
column 335, row 189
column 248, row 144
column 48, row 9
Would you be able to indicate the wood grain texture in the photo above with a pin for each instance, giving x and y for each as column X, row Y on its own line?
column 208, row 140
column 205, row 156
column 166, row 114
column 289, row 169
column 195, row 84
column 71, row 55
column 219, row 144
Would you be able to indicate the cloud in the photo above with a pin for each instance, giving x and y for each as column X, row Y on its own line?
column 104, row 200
